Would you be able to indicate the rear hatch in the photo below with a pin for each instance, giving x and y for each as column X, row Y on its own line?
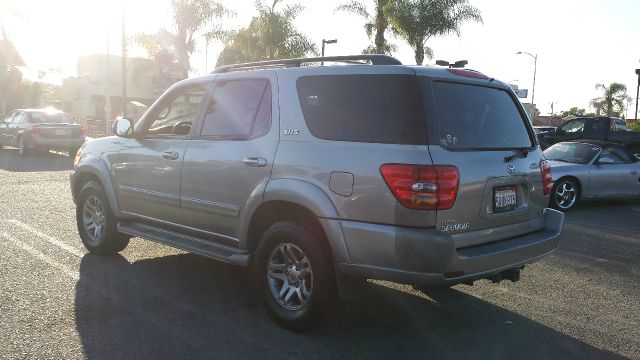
column 481, row 129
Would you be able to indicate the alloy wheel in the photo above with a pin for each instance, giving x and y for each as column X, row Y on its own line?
column 290, row 276
column 565, row 195
column 94, row 218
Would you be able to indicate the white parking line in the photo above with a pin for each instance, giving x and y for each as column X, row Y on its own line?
column 70, row 249
column 64, row 269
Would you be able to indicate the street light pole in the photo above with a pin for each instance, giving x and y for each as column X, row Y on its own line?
column 535, row 70
column 327, row 42
column 124, row 63
column 637, row 94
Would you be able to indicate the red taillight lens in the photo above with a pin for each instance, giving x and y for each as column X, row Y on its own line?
column 422, row 187
column 35, row 130
column 547, row 180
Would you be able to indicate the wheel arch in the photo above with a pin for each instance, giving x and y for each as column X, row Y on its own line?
column 93, row 169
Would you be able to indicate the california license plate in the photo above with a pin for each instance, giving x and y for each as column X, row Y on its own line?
column 61, row 132
column 505, row 198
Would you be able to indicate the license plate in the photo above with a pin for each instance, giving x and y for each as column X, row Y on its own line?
column 505, row 198
column 61, row 132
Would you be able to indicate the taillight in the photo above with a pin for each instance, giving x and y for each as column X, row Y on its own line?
column 81, row 131
column 547, row 180
column 422, row 187
column 469, row 73
column 35, row 130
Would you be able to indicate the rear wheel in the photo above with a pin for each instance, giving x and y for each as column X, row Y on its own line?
column 293, row 275
column 96, row 223
column 565, row 194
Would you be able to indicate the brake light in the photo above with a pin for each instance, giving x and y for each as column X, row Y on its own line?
column 469, row 73
column 35, row 130
column 547, row 179
column 81, row 131
column 422, row 187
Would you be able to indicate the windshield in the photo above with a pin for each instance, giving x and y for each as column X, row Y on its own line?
column 572, row 152
column 50, row 118
column 477, row 117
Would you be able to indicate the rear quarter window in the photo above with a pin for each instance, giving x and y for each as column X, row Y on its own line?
column 364, row 108
column 478, row 117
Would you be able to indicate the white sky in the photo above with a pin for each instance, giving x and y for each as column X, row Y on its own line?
column 579, row 42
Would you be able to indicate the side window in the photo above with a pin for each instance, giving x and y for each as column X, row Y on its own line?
column 238, row 110
column 18, row 118
column 573, row 127
column 178, row 114
column 595, row 128
column 614, row 155
column 9, row 118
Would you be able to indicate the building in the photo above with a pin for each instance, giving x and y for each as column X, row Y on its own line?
column 100, row 77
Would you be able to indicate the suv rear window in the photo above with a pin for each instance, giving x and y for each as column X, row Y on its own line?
column 476, row 117
column 364, row 108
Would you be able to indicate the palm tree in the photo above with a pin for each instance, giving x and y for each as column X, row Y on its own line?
column 270, row 35
column 416, row 21
column 613, row 100
column 378, row 23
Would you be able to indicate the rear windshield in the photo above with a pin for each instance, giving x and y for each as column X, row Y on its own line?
column 50, row 118
column 477, row 117
column 576, row 153
column 364, row 108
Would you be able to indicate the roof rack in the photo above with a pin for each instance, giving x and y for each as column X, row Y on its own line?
column 374, row 59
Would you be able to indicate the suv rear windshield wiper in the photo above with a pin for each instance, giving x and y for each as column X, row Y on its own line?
column 522, row 152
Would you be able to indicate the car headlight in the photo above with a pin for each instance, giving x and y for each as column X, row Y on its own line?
column 78, row 156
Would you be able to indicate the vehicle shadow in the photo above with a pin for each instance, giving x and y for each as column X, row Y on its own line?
column 10, row 160
column 186, row 306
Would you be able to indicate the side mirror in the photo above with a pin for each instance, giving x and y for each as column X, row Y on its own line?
column 124, row 127
column 605, row 161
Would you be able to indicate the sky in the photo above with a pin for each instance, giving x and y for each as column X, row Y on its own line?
column 579, row 43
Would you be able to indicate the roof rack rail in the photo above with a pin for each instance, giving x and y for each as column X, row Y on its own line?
column 374, row 59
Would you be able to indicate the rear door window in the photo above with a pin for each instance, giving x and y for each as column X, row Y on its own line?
column 364, row 108
column 477, row 117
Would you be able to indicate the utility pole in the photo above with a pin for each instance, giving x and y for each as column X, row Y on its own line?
column 124, row 63
column 635, row 114
column 107, row 90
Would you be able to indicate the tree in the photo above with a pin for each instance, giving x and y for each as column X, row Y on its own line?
column 416, row 21
column 378, row 23
column 613, row 100
column 270, row 35
column 191, row 19
column 574, row 111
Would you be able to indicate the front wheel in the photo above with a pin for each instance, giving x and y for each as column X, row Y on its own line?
column 96, row 223
column 565, row 194
column 293, row 275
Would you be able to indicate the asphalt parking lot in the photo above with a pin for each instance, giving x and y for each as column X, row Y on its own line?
column 57, row 301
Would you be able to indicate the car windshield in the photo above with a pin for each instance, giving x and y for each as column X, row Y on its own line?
column 50, row 118
column 576, row 153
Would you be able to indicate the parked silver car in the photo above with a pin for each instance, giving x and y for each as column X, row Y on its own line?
column 319, row 175
column 591, row 170
column 40, row 129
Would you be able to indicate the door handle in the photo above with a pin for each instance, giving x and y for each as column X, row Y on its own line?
column 170, row 155
column 254, row 162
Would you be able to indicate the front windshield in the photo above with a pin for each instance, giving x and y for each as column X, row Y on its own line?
column 50, row 118
column 572, row 152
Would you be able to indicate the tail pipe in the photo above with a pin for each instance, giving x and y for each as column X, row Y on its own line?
column 511, row 274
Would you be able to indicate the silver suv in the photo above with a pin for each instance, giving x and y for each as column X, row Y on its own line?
column 319, row 175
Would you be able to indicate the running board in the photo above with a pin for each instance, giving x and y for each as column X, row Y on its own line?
column 184, row 242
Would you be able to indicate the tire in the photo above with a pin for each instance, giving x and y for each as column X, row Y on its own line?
column 293, row 275
column 96, row 223
column 565, row 194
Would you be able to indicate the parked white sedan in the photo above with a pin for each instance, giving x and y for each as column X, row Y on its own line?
column 590, row 170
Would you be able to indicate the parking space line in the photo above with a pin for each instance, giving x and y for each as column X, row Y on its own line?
column 70, row 249
column 35, row 253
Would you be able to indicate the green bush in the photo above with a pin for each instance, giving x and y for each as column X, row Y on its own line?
column 634, row 126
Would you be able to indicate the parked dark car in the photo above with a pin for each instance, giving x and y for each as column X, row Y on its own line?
column 592, row 128
column 41, row 129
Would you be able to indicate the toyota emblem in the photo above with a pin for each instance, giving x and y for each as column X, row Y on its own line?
column 511, row 169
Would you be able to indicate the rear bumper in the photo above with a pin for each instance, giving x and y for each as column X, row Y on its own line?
column 428, row 257
column 54, row 143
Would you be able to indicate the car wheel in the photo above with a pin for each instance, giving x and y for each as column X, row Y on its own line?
column 565, row 194
column 22, row 146
column 293, row 275
column 97, row 225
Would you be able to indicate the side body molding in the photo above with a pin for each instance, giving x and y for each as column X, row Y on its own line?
column 312, row 197
column 98, row 167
